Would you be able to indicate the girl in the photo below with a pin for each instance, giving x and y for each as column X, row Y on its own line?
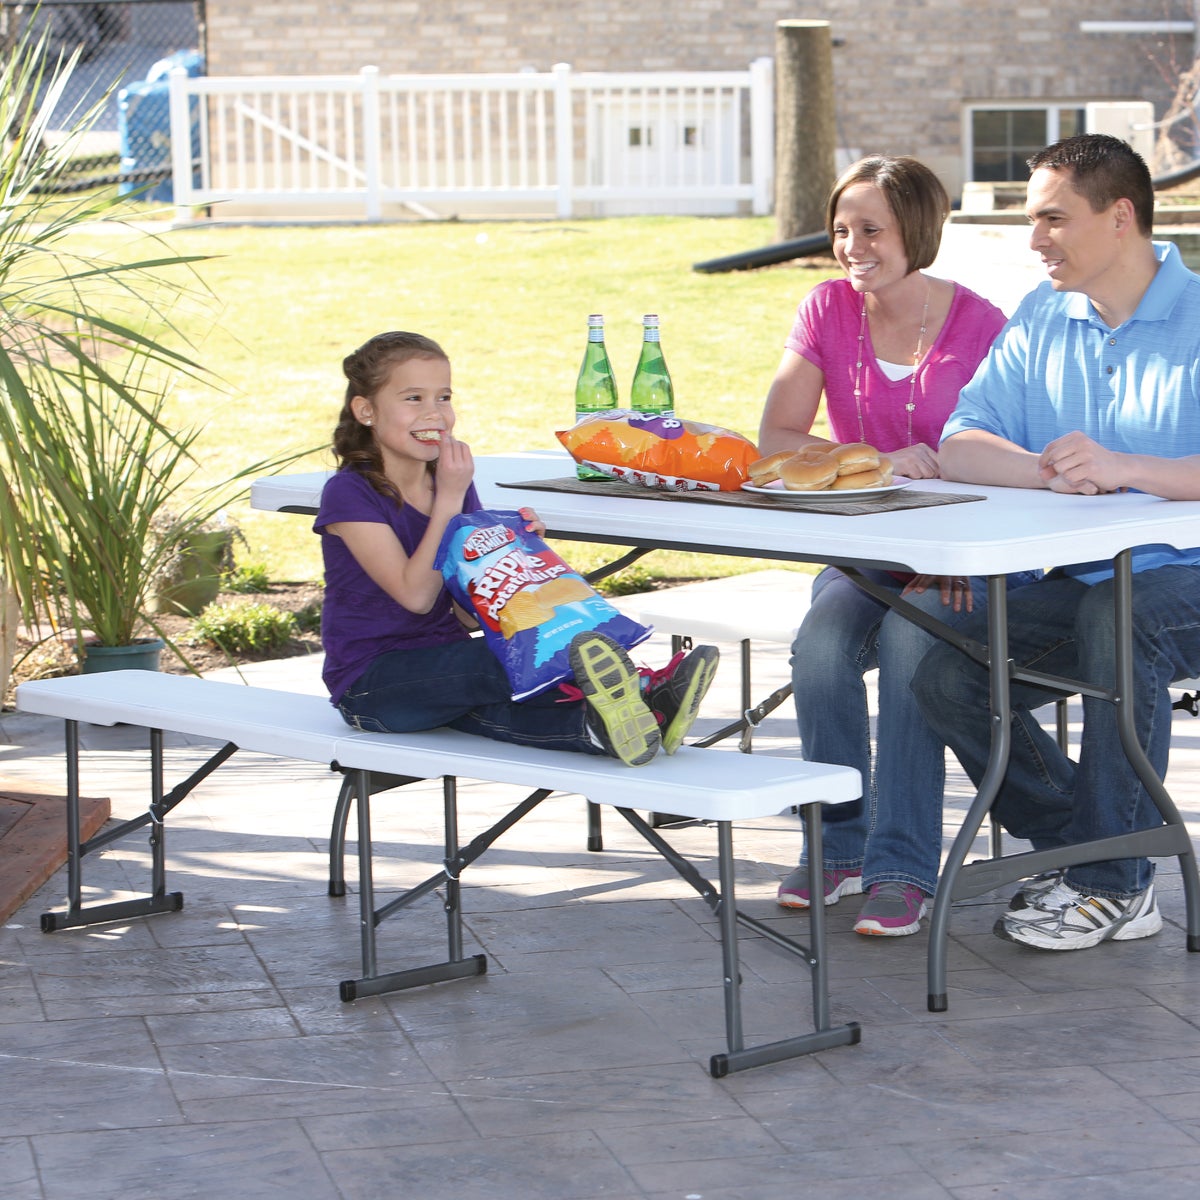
column 398, row 656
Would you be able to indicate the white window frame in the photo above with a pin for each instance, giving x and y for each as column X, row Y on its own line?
column 1051, row 108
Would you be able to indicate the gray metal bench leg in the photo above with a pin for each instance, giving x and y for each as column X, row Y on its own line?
column 341, row 817
column 824, row 1036
column 814, row 836
column 595, row 831
column 158, row 900
column 1061, row 727
column 337, row 837
column 456, row 967
column 745, row 745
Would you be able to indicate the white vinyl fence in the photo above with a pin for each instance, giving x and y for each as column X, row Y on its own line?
column 557, row 143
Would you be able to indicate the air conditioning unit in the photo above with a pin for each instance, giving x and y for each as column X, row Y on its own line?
column 1130, row 120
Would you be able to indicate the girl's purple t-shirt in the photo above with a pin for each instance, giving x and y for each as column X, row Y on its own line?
column 359, row 620
column 826, row 333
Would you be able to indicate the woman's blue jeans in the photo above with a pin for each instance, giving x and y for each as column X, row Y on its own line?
column 462, row 685
column 895, row 831
column 1065, row 627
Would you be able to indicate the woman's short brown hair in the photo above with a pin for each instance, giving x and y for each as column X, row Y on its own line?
column 914, row 195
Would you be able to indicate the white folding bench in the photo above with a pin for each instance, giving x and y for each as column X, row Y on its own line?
column 763, row 606
column 709, row 785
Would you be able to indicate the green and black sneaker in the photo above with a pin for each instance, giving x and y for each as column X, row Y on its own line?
column 618, row 716
column 674, row 693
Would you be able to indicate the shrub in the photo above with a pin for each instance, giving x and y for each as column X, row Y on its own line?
column 628, row 582
column 243, row 625
column 251, row 577
column 308, row 619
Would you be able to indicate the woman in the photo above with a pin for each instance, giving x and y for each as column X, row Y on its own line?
column 889, row 347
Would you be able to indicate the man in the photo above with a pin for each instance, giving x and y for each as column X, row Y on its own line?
column 1093, row 386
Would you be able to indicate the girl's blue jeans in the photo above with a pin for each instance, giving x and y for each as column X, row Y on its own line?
column 462, row 685
column 1065, row 627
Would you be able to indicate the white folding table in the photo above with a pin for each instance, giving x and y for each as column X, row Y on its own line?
column 1009, row 530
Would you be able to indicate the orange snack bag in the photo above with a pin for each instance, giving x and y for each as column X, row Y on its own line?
column 657, row 451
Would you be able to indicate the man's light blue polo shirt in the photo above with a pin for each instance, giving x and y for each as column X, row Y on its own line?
column 1056, row 367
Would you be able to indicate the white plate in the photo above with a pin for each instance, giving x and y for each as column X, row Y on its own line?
column 777, row 489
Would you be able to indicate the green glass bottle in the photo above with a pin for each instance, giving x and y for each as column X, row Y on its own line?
column 651, row 392
column 595, row 389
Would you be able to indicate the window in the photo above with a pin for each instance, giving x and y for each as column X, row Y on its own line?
column 1000, row 140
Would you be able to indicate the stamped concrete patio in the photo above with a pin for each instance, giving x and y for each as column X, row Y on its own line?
column 206, row 1053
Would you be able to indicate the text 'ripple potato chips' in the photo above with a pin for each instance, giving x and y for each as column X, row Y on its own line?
column 528, row 601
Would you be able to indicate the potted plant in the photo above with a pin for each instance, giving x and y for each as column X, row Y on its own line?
column 115, row 504
column 88, row 466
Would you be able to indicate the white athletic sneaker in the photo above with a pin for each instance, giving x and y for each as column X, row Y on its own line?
column 1065, row 919
column 1034, row 888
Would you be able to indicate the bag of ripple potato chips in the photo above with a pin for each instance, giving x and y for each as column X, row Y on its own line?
column 528, row 602
column 660, row 451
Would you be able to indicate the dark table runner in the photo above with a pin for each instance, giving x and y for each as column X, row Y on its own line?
column 851, row 506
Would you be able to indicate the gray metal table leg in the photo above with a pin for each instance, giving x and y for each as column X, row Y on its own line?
column 989, row 786
column 1168, row 840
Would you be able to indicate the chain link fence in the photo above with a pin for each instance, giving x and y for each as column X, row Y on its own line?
column 126, row 50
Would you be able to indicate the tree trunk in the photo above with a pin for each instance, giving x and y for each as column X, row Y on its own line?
column 805, row 136
column 10, row 616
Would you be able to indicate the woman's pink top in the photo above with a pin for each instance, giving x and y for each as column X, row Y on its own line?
column 826, row 333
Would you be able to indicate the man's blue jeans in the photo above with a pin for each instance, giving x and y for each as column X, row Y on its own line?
column 895, row 831
column 462, row 685
column 1064, row 627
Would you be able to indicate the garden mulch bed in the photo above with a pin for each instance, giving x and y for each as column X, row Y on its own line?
column 49, row 658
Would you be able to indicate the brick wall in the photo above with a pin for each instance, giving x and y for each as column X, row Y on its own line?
column 902, row 68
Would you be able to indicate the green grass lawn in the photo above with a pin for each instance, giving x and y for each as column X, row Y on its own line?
column 509, row 302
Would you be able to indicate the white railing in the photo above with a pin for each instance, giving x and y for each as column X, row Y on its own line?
column 558, row 141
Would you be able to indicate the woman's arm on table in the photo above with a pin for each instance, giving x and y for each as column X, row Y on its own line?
column 791, row 406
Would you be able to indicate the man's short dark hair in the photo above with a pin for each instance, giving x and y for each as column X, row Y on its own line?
column 1103, row 170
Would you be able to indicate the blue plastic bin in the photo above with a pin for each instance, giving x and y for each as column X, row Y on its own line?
column 144, row 129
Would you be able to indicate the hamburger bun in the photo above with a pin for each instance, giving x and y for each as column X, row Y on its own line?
column 873, row 477
column 853, row 457
column 766, row 470
column 809, row 472
column 812, row 451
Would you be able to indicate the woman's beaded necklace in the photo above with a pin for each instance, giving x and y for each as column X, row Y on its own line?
column 911, row 406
